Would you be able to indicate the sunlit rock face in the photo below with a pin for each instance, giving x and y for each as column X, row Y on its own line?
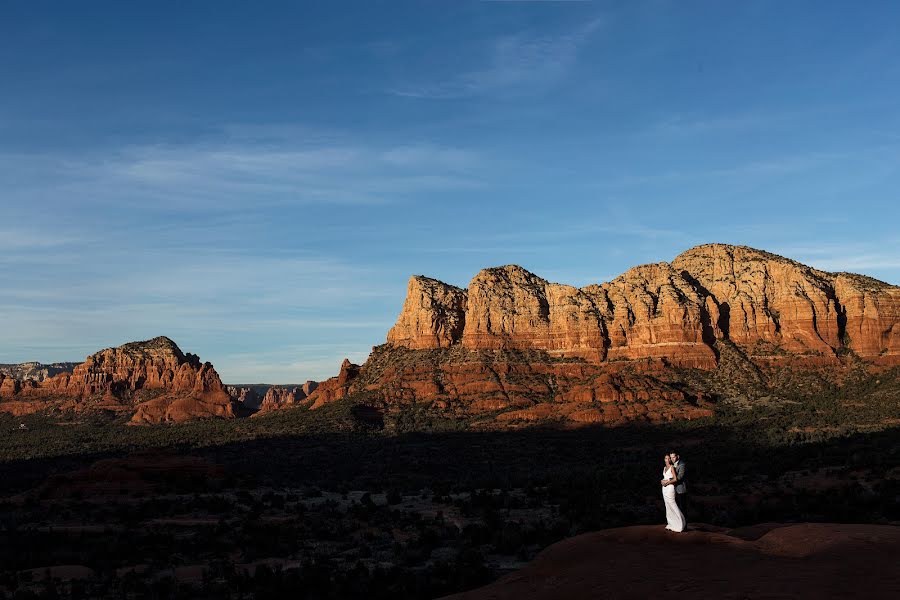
column 672, row 311
column 514, row 347
column 34, row 371
column 433, row 315
column 153, row 378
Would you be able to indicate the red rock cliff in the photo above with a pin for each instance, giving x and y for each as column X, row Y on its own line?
column 154, row 377
column 674, row 312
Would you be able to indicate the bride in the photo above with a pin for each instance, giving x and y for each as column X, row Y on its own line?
column 674, row 517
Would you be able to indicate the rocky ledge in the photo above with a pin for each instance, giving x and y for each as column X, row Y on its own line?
column 802, row 560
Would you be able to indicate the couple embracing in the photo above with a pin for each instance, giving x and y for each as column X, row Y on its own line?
column 674, row 491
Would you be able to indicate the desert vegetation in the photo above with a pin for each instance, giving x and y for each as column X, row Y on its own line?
column 344, row 501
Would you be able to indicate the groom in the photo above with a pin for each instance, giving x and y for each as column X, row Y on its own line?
column 680, row 482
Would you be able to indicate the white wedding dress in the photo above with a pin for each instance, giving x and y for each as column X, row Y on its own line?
column 674, row 517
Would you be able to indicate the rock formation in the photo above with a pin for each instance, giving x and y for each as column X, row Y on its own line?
column 153, row 378
column 334, row 388
column 248, row 396
column 798, row 560
column 673, row 312
column 433, row 315
column 281, row 397
column 516, row 348
column 34, row 371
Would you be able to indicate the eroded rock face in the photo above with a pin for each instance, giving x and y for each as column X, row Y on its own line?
column 761, row 297
column 433, row 315
column 34, row 371
column 515, row 348
column 281, row 397
column 871, row 317
column 154, row 377
column 520, row 387
column 247, row 396
column 336, row 387
column 671, row 312
column 652, row 311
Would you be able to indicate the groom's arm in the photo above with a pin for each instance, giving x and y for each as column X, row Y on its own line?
column 679, row 473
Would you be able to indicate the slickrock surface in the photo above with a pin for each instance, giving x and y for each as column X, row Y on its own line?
column 153, row 378
column 807, row 560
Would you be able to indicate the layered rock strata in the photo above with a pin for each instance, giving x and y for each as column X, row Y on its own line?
column 516, row 348
column 335, row 388
column 673, row 312
column 246, row 395
column 34, row 371
column 281, row 397
column 154, row 378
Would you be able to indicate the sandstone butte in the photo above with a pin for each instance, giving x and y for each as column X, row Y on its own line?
column 515, row 348
column 153, row 379
column 278, row 397
column 519, row 348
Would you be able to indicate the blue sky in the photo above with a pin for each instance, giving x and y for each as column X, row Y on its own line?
column 258, row 181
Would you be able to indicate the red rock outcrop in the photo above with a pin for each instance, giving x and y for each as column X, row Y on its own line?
column 799, row 560
column 34, row 370
column 871, row 317
column 672, row 312
column 433, row 315
column 154, row 378
column 281, row 397
column 246, row 396
column 516, row 348
column 760, row 297
column 334, row 388
column 513, row 387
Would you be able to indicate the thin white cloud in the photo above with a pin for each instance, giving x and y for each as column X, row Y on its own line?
column 783, row 165
column 855, row 258
column 512, row 61
column 27, row 239
column 243, row 171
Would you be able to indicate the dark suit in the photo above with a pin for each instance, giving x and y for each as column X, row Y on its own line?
column 681, row 486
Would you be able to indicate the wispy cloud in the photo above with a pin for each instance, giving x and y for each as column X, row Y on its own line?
column 509, row 62
column 760, row 168
column 205, row 299
column 862, row 258
column 27, row 240
column 313, row 169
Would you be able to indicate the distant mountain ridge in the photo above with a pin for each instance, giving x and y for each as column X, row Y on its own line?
column 514, row 348
column 34, row 370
